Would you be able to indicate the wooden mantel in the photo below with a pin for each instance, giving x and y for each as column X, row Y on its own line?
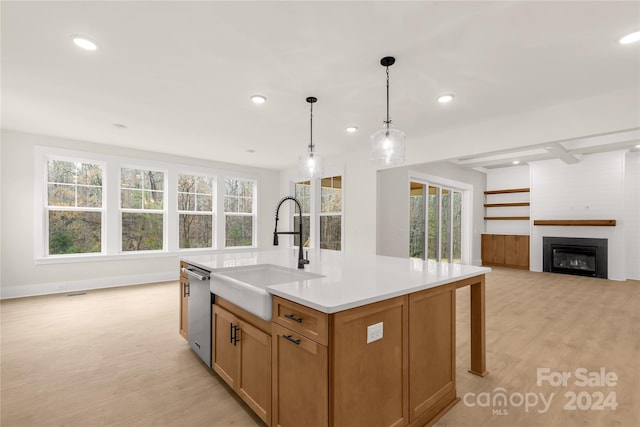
column 577, row 222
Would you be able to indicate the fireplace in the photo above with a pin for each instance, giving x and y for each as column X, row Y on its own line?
column 578, row 256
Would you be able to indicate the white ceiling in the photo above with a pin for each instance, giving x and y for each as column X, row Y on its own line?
column 179, row 74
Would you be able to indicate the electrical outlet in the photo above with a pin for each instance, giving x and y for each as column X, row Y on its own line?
column 374, row 332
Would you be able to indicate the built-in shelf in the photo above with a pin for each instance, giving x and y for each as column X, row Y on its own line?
column 506, row 218
column 502, row 205
column 506, row 204
column 509, row 190
column 577, row 222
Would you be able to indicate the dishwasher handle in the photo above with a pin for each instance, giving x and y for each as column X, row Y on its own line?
column 195, row 274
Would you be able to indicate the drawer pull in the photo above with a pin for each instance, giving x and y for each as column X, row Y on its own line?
column 293, row 340
column 294, row 318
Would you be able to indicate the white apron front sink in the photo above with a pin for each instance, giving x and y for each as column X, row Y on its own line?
column 245, row 286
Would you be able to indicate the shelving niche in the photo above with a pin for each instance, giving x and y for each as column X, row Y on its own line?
column 505, row 205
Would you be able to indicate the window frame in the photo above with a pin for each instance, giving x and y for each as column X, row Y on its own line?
column 316, row 206
column 466, row 226
column 213, row 213
column 163, row 211
column 46, row 208
column 253, row 214
column 111, row 231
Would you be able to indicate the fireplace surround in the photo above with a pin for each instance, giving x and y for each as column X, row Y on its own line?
column 577, row 256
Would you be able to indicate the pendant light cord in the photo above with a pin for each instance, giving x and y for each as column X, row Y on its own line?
column 311, row 130
column 388, row 121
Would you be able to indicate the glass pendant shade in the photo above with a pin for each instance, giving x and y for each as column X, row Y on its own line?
column 310, row 165
column 387, row 147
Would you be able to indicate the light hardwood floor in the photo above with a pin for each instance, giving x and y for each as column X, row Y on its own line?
column 114, row 357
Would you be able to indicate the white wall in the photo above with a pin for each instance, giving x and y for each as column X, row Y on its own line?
column 21, row 276
column 502, row 179
column 632, row 214
column 594, row 188
column 393, row 205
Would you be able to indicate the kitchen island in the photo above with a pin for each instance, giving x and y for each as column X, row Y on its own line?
column 367, row 340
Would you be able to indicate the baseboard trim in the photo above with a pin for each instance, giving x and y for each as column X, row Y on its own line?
column 22, row 291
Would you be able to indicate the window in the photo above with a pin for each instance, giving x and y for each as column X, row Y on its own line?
column 195, row 211
column 331, row 213
column 435, row 221
column 142, row 209
column 239, row 212
column 74, row 207
column 303, row 194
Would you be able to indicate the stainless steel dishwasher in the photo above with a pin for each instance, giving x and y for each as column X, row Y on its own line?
column 200, row 300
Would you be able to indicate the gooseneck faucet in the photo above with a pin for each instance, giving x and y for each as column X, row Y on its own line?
column 301, row 260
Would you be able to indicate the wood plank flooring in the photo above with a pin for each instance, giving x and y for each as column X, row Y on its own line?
column 114, row 357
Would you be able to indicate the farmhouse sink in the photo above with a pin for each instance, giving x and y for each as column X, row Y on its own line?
column 246, row 286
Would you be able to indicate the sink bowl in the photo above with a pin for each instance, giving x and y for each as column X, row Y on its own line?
column 246, row 286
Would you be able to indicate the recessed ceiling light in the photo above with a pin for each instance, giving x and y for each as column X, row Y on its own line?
column 638, row 146
column 516, row 162
column 443, row 99
column 351, row 129
column 258, row 99
column 84, row 42
column 630, row 38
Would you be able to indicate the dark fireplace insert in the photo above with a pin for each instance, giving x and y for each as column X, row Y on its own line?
column 573, row 255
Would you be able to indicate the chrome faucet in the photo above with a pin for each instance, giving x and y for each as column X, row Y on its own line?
column 301, row 260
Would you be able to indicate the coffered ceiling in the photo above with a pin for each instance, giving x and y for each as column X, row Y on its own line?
column 179, row 75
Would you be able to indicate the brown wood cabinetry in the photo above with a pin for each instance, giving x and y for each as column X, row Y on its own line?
column 506, row 250
column 184, row 301
column 432, row 351
column 300, row 380
column 407, row 377
column 241, row 355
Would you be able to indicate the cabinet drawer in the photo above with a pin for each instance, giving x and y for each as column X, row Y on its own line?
column 303, row 320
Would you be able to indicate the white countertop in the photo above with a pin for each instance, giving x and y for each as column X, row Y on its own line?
column 349, row 280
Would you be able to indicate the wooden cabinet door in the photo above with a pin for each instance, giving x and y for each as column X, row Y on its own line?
column 253, row 382
column 184, row 307
column 510, row 250
column 487, row 249
column 224, row 357
column 522, row 250
column 432, row 346
column 369, row 377
column 498, row 249
column 300, row 380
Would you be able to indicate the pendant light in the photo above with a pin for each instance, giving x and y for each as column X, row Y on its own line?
column 387, row 145
column 310, row 164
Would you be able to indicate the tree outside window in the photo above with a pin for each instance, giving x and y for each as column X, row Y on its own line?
column 142, row 209
column 331, row 213
column 303, row 194
column 239, row 201
column 195, row 211
column 74, row 207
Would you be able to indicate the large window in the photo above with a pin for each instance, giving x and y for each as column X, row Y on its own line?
column 196, row 217
column 321, row 201
column 142, row 209
column 435, row 223
column 74, row 208
column 92, row 205
column 239, row 212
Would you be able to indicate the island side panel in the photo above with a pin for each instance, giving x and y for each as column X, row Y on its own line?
column 368, row 381
column 432, row 352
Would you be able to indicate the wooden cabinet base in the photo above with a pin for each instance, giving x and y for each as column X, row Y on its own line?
column 505, row 250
